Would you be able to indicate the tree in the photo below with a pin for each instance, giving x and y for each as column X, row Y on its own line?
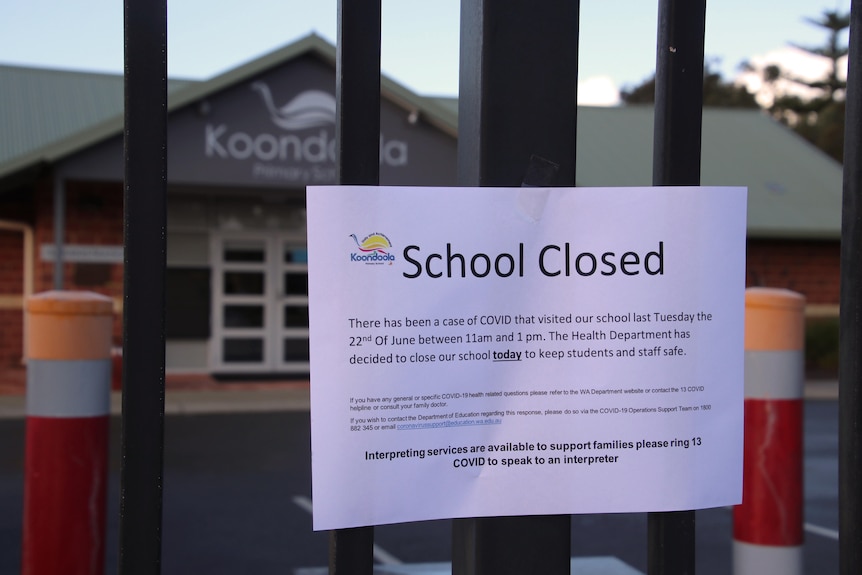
column 716, row 92
column 835, row 23
column 819, row 119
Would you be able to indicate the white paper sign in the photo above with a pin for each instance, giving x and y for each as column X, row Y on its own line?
column 487, row 351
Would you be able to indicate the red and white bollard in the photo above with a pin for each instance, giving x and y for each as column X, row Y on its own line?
column 66, row 459
column 768, row 525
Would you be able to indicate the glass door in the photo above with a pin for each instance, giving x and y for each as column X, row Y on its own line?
column 241, row 308
column 260, row 304
column 292, row 305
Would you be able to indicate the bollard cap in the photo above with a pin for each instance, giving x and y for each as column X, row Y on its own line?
column 69, row 325
column 762, row 297
column 58, row 302
column 774, row 319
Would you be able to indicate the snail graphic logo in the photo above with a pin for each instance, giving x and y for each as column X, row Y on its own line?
column 309, row 109
column 372, row 250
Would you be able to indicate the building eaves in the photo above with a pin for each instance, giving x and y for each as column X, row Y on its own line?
column 102, row 95
column 794, row 188
column 42, row 107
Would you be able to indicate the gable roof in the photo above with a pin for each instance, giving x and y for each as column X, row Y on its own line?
column 43, row 107
column 794, row 189
column 52, row 114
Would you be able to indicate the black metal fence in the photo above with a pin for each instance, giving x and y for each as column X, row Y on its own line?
column 518, row 95
column 850, row 370
column 144, row 230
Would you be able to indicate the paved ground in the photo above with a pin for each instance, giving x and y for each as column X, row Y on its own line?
column 237, row 494
column 237, row 490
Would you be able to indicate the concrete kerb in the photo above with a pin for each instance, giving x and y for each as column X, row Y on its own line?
column 191, row 402
column 826, row 389
column 234, row 401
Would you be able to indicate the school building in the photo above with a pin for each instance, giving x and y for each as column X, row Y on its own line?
column 243, row 146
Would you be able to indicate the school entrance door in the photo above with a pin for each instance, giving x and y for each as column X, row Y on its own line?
column 260, row 303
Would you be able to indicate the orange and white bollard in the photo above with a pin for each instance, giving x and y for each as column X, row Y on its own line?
column 66, row 459
column 768, row 525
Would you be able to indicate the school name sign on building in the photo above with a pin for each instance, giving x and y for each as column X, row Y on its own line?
column 510, row 351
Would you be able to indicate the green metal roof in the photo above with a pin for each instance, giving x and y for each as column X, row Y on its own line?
column 51, row 114
column 794, row 189
column 41, row 107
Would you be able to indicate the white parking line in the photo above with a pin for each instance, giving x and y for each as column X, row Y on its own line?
column 303, row 503
column 381, row 555
column 822, row 531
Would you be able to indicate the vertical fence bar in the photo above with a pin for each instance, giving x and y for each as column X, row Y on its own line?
column 518, row 98
column 357, row 92
column 676, row 161
column 357, row 141
column 145, row 223
column 518, row 89
column 850, row 354
column 678, row 92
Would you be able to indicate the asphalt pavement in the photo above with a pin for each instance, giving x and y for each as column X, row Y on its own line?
column 237, row 495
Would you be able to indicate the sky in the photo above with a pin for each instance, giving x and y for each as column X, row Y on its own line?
column 419, row 37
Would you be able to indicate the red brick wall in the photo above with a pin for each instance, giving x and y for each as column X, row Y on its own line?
column 11, row 262
column 95, row 213
column 11, row 337
column 14, row 207
column 11, row 289
column 94, row 216
column 809, row 267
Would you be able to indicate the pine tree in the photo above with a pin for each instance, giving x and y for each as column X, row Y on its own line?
column 820, row 119
column 716, row 92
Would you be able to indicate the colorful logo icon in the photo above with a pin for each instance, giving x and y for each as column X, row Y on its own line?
column 373, row 249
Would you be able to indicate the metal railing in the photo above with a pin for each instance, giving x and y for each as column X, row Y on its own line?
column 518, row 94
column 145, row 228
column 850, row 347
